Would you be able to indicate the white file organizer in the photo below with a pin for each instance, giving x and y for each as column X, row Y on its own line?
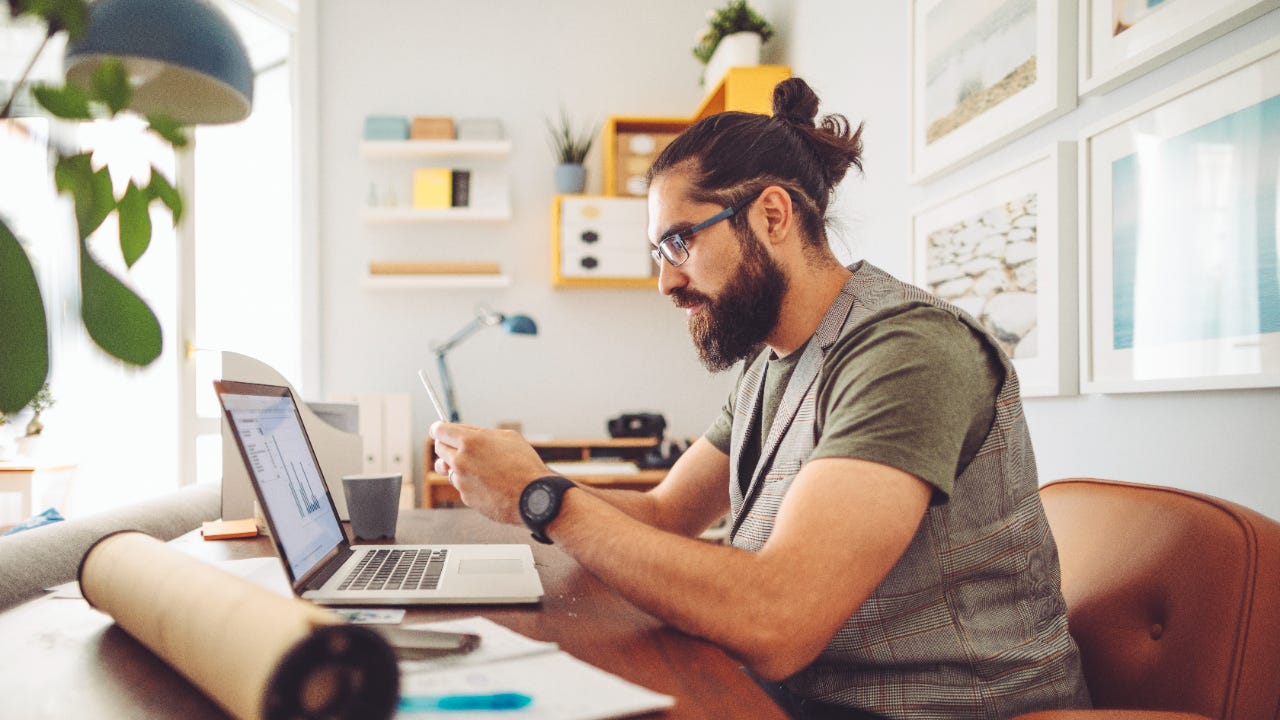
column 385, row 429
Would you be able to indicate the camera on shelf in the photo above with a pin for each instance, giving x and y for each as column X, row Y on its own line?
column 638, row 425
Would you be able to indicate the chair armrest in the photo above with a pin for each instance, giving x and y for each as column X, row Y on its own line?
column 49, row 555
column 1110, row 715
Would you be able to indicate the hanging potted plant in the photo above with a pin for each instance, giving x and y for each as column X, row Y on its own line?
column 733, row 37
column 570, row 147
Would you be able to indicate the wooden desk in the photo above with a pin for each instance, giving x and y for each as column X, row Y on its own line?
column 437, row 492
column 61, row 659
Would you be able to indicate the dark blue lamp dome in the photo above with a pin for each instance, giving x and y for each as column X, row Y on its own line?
column 184, row 58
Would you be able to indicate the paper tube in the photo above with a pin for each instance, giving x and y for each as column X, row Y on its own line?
column 255, row 653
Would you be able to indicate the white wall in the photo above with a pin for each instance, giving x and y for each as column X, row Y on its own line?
column 603, row 352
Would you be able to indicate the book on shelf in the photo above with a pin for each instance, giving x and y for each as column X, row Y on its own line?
column 397, row 267
column 461, row 180
column 432, row 187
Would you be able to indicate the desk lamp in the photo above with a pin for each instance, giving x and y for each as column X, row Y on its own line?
column 485, row 317
column 183, row 57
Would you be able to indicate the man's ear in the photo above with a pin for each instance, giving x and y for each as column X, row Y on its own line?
column 779, row 213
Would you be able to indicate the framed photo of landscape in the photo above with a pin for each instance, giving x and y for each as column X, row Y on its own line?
column 984, row 72
column 1121, row 39
column 1180, row 279
column 1003, row 249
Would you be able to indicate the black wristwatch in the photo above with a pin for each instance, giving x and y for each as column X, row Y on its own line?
column 540, row 503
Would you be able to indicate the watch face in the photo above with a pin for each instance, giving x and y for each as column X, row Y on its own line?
column 538, row 501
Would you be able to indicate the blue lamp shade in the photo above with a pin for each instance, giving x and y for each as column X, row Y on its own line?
column 184, row 58
column 520, row 325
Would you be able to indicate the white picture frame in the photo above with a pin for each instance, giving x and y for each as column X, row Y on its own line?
column 1179, row 286
column 1153, row 34
column 1003, row 249
column 984, row 72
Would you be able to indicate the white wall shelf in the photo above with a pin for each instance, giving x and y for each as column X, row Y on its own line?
column 374, row 149
column 413, row 282
column 391, row 165
column 499, row 213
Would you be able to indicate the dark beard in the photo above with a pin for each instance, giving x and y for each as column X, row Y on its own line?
column 731, row 326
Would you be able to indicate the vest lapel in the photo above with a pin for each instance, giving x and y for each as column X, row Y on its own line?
column 750, row 395
column 802, row 380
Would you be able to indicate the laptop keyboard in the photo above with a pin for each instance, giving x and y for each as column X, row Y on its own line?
column 397, row 570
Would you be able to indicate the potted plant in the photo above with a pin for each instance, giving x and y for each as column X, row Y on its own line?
column 733, row 38
column 25, row 444
column 570, row 147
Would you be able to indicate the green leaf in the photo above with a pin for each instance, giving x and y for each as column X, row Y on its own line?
column 169, row 129
column 135, row 223
column 69, row 15
column 110, row 85
column 68, row 102
column 91, row 191
column 161, row 190
column 116, row 318
column 24, row 335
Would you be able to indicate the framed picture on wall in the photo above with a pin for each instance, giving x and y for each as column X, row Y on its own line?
column 984, row 72
column 1003, row 249
column 1121, row 39
column 1180, row 284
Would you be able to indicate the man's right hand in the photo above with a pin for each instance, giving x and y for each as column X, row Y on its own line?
column 490, row 468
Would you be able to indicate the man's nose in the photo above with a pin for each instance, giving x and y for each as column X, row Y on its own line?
column 670, row 278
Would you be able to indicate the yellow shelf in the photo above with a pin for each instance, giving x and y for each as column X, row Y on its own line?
column 743, row 89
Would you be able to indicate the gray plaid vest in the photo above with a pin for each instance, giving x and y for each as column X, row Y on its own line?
column 971, row 622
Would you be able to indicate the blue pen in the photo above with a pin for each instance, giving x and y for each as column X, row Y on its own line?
column 494, row 701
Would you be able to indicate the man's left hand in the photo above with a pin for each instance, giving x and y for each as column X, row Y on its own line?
column 489, row 468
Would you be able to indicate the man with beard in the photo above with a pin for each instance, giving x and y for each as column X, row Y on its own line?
column 889, row 554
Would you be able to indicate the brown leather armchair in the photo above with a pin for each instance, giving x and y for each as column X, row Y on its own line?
column 1173, row 597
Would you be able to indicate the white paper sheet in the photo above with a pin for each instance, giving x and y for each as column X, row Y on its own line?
column 562, row 687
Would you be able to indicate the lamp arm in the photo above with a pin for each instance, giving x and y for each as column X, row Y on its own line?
column 446, row 385
column 467, row 331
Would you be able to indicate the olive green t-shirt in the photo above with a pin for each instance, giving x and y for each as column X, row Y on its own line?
column 912, row 387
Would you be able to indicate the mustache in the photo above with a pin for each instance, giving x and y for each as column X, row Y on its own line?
column 686, row 298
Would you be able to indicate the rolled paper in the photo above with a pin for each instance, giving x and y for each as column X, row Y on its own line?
column 253, row 652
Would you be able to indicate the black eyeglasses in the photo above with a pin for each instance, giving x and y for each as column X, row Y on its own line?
column 674, row 248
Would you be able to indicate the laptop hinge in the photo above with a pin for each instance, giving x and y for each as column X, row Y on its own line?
column 317, row 581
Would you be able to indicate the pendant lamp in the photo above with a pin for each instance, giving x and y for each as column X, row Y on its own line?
column 184, row 58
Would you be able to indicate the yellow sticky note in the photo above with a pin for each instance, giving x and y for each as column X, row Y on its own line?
column 228, row 529
column 432, row 188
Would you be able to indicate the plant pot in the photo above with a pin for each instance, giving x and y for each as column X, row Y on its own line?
column 571, row 179
column 737, row 50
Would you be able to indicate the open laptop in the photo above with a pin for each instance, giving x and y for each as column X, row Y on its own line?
column 322, row 566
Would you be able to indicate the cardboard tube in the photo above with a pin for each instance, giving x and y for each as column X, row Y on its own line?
column 253, row 652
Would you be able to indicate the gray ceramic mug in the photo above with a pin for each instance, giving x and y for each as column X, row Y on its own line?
column 373, row 502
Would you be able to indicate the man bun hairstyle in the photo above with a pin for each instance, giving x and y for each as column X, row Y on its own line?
column 732, row 155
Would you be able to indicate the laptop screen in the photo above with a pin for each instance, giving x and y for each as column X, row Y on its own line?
column 284, row 469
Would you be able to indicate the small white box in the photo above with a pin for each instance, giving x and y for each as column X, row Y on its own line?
column 606, row 263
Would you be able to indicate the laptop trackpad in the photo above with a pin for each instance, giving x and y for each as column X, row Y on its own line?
column 490, row 566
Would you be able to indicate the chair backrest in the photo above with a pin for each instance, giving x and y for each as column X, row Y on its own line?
column 1173, row 597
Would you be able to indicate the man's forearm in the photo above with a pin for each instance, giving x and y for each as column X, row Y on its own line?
column 692, row 497
column 636, row 504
